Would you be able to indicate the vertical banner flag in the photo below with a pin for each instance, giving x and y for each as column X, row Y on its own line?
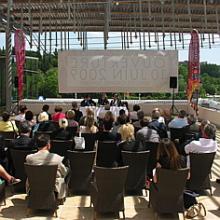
column 20, row 59
column 194, row 70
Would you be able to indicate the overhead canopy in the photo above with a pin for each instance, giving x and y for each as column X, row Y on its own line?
column 111, row 15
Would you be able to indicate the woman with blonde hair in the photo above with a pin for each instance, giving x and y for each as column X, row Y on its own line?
column 89, row 125
column 63, row 133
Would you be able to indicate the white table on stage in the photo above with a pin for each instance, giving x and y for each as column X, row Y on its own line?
column 114, row 109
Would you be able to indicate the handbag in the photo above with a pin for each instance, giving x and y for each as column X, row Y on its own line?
column 79, row 143
column 196, row 210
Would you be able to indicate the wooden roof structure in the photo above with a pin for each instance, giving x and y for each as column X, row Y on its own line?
column 170, row 16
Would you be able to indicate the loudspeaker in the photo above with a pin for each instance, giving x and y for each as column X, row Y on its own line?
column 16, row 82
column 173, row 82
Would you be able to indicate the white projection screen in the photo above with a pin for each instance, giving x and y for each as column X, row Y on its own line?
column 116, row 71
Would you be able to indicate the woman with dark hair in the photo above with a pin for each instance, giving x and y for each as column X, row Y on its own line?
column 58, row 114
column 6, row 125
column 29, row 116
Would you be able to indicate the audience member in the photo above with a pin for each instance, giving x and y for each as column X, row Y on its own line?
column 23, row 141
column 70, row 115
column 146, row 134
column 78, row 113
column 122, row 119
column 89, row 125
column 63, row 133
column 89, row 112
column 87, row 101
column 7, row 125
column 180, row 121
column 29, row 116
column 45, row 108
column 133, row 115
column 156, row 125
column 58, row 114
column 102, row 112
column 193, row 126
column 205, row 144
column 137, row 124
column 116, row 101
column 161, row 118
column 21, row 116
column 44, row 157
column 103, row 100
column 44, row 123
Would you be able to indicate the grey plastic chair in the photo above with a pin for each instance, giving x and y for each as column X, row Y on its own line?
column 42, row 185
column 200, row 168
column 166, row 196
column 137, row 162
column 81, row 164
column 18, row 158
column 107, row 192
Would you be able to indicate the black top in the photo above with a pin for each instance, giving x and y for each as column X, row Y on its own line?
column 103, row 101
column 23, row 142
column 165, row 162
column 89, row 102
column 62, row 134
column 131, row 145
column 106, row 136
column 78, row 114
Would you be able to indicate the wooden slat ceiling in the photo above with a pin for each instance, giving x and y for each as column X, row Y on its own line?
column 111, row 15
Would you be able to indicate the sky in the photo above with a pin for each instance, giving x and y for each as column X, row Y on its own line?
column 95, row 42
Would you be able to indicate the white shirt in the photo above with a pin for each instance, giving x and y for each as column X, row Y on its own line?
column 203, row 145
column 20, row 117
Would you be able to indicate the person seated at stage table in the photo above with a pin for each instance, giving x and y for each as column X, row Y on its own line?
column 78, row 113
column 133, row 114
column 116, row 101
column 156, row 125
column 7, row 125
column 180, row 121
column 103, row 100
column 21, row 116
column 58, row 114
column 23, row 141
column 89, row 125
column 87, row 101
column 62, row 133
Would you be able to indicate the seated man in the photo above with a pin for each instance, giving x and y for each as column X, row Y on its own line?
column 103, row 100
column 87, row 101
column 180, row 121
column 44, row 157
column 23, row 141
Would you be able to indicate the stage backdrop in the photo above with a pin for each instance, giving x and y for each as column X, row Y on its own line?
column 116, row 71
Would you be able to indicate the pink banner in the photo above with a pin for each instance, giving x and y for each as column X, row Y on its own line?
column 194, row 70
column 20, row 59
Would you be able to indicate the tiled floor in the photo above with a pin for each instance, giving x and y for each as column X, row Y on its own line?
column 136, row 207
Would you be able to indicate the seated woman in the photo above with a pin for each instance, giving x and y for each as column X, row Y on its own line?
column 89, row 125
column 6, row 125
column 58, row 114
column 62, row 133
column 128, row 142
column 168, row 157
column 29, row 116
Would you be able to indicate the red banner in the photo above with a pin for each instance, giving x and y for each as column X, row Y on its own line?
column 20, row 59
column 194, row 70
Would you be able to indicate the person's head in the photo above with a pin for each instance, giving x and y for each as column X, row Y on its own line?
column 115, row 96
column 109, row 116
column 136, row 108
column 63, row 123
column 107, row 125
column 45, row 108
column 89, row 121
column 166, row 148
column 74, row 105
column 5, row 116
column 144, row 121
column 43, row 116
column 86, row 97
column 89, row 112
column 24, row 127
column 29, row 115
column 182, row 114
column 43, row 142
column 58, row 108
column 209, row 131
column 121, row 112
column 140, row 114
column 22, row 108
column 155, row 114
column 127, row 132
column 70, row 114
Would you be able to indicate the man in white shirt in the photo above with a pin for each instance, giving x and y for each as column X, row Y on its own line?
column 180, row 121
column 206, row 144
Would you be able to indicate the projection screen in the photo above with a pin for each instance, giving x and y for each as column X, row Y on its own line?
column 116, row 71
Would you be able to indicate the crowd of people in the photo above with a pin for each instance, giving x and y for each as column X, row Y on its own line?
column 130, row 132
